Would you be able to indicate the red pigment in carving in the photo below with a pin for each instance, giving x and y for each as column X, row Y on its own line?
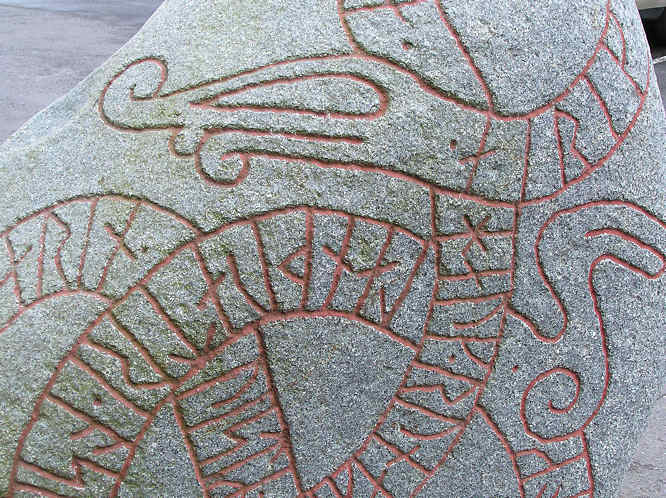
column 280, row 444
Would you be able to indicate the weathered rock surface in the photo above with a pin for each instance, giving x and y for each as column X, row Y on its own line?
column 350, row 248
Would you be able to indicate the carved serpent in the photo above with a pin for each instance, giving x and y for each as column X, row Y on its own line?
column 461, row 273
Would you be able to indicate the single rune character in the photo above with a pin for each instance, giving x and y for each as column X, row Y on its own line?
column 339, row 248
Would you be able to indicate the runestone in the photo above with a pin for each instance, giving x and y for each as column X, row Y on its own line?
column 339, row 248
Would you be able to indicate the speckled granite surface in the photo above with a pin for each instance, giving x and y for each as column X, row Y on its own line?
column 336, row 250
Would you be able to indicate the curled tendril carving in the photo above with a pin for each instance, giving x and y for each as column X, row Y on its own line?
column 539, row 391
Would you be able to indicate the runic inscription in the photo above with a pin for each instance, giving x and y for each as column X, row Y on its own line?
column 325, row 348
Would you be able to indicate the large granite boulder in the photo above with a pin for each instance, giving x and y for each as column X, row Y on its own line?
column 352, row 248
